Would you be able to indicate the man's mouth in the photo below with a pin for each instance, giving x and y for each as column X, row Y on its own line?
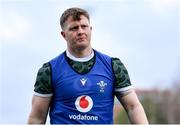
column 81, row 39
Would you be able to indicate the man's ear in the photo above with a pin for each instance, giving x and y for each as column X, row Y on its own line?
column 63, row 34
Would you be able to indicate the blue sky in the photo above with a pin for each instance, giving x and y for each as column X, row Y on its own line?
column 144, row 34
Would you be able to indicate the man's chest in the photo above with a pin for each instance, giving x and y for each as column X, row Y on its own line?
column 96, row 85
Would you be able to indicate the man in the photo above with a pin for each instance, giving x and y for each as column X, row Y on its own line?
column 78, row 86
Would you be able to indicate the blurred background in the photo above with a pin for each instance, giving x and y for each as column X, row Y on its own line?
column 144, row 34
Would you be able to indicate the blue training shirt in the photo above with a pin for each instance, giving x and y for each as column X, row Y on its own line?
column 82, row 98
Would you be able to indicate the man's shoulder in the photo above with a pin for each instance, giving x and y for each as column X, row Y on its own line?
column 116, row 61
column 103, row 56
column 44, row 70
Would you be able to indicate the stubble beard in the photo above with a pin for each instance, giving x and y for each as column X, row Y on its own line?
column 80, row 49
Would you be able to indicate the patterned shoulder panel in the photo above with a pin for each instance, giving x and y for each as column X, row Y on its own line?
column 43, row 80
column 122, row 79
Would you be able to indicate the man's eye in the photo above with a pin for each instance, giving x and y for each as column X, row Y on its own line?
column 74, row 28
column 84, row 26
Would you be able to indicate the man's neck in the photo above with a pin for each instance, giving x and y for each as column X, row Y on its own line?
column 80, row 53
column 83, row 58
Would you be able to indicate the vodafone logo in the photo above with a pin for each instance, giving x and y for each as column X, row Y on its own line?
column 84, row 103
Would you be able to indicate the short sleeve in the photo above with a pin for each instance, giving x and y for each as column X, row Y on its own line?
column 42, row 86
column 122, row 80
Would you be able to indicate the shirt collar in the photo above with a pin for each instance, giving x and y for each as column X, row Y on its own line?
column 83, row 59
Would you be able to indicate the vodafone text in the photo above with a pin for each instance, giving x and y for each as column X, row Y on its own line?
column 83, row 117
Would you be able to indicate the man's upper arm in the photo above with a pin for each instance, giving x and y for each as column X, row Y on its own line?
column 39, row 111
column 123, row 88
column 133, row 107
column 42, row 96
column 41, row 104
column 122, row 82
column 43, row 85
column 128, row 99
column 126, row 94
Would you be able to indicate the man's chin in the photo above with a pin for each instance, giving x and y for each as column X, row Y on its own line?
column 82, row 47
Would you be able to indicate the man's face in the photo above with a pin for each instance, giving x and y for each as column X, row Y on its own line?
column 77, row 33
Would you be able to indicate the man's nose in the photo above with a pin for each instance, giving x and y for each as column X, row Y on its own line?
column 80, row 30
